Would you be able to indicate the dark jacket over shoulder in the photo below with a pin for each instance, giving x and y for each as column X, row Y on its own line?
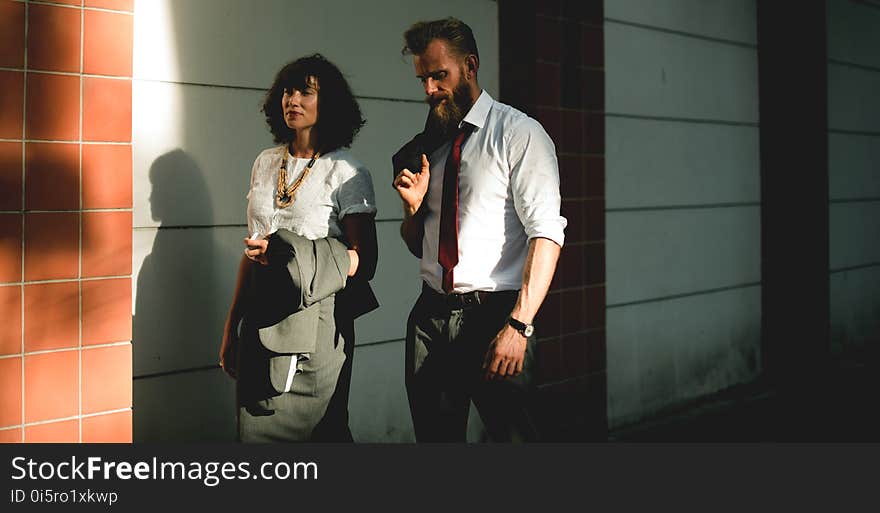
column 409, row 156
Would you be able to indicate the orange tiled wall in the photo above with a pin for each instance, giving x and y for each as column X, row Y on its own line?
column 65, row 220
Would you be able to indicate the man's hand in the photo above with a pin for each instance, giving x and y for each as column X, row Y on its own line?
column 413, row 187
column 505, row 355
column 255, row 250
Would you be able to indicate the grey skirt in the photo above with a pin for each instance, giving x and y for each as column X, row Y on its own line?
column 264, row 414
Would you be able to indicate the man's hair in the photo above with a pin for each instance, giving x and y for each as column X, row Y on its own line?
column 339, row 115
column 452, row 30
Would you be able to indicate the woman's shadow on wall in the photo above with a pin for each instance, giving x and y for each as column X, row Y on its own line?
column 179, row 391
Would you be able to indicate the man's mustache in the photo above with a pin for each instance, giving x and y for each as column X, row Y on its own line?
column 435, row 100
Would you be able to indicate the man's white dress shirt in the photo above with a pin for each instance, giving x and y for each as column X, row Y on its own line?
column 508, row 194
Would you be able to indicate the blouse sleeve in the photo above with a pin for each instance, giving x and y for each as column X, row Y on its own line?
column 355, row 194
column 253, row 175
column 259, row 199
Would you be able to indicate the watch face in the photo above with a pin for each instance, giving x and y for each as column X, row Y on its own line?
column 529, row 330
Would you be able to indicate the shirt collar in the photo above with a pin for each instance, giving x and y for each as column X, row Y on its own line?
column 479, row 111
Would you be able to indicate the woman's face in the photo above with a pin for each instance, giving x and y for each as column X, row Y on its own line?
column 300, row 108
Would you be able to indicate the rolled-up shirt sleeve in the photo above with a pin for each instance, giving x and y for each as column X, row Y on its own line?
column 534, row 179
column 355, row 195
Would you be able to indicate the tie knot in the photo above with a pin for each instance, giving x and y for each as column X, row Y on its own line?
column 463, row 131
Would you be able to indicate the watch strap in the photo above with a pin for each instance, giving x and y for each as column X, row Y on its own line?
column 520, row 326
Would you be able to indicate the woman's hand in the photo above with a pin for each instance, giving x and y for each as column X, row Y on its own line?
column 255, row 250
column 229, row 348
column 354, row 260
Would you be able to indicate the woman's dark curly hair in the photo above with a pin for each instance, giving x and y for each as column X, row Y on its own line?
column 339, row 116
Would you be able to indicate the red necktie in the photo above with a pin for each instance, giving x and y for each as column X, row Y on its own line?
column 448, row 253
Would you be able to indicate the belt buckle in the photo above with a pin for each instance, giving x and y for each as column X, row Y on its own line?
column 461, row 301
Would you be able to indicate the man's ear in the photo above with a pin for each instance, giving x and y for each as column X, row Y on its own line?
column 472, row 64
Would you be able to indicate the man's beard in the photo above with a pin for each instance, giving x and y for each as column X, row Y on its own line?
column 444, row 117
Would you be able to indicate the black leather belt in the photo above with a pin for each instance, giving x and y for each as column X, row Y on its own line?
column 463, row 300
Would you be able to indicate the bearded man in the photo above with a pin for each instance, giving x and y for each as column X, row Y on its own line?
column 482, row 213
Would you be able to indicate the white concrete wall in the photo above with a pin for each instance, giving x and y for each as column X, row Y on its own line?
column 854, row 173
column 201, row 68
column 682, row 201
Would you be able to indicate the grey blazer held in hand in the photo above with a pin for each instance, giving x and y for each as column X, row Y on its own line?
column 301, row 272
column 285, row 296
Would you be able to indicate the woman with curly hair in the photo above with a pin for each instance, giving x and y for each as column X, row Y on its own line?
column 289, row 335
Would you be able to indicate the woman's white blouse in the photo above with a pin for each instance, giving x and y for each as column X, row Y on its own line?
column 337, row 185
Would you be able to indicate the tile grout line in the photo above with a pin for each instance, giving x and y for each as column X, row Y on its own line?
column 66, row 280
column 68, row 349
column 123, row 78
column 82, row 51
column 80, row 6
column 67, row 419
column 69, row 211
column 131, row 285
column 23, row 178
column 61, row 141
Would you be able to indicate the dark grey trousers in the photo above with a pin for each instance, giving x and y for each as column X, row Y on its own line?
column 445, row 349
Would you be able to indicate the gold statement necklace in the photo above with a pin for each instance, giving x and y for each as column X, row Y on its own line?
column 286, row 195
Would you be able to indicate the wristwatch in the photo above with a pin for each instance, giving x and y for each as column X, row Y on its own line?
column 525, row 329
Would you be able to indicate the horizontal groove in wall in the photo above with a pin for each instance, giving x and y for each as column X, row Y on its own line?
column 188, row 227
column 199, row 84
column 868, row 199
column 870, row 133
column 703, row 121
column 853, row 267
column 177, row 371
column 719, row 40
column 264, row 89
column 684, row 295
column 379, row 342
column 685, row 207
column 217, row 366
column 856, row 65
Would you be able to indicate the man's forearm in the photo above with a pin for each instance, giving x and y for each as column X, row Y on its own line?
column 537, row 275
